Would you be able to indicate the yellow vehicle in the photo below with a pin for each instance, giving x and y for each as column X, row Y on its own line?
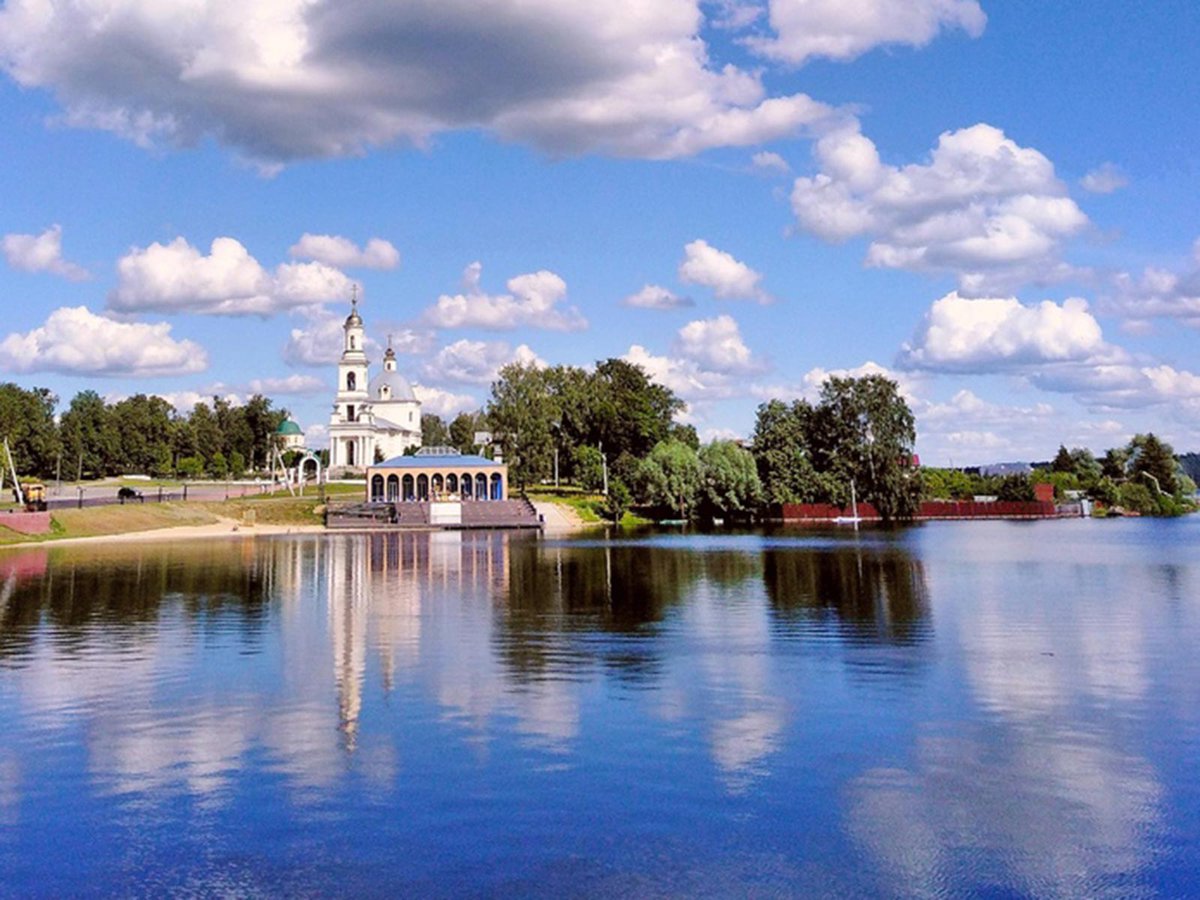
column 35, row 496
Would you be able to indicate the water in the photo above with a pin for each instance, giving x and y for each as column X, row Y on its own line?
column 983, row 708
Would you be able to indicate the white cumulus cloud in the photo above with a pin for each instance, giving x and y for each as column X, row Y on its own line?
column 293, row 79
column 76, row 341
column 729, row 278
column 343, row 253
column 845, row 29
column 477, row 362
column 716, row 345
column 654, row 296
column 443, row 403
column 983, row 208
column 41, row 253
column 988, row 334
column 687, row 378
column 532, row 301
column 178, row 278
column 770, row 163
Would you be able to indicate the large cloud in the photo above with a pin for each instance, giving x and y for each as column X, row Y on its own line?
column 984, row 208
column 729, row 278
column 477, row 362
column 844, row 29
column 76, row 341
column 716, row 344
column 295, row 79
column 989, row 334
column 41, row 253
column 176, row 277
column 532, row 301
column 442, row 402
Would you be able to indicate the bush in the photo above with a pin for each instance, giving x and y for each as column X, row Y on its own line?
column 617, row 501
column 1136, row 497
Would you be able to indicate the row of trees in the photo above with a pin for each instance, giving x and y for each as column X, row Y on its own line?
column 616, row 421
column 580, row 418
column 143, row 434
column 1143, row 476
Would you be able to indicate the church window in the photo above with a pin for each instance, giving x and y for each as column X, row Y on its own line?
column 350, row 412
column 410, row 416
column 351, row 382
column 352, row 341
column 384, row 392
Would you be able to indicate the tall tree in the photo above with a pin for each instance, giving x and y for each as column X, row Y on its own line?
column 434, row 432
column 781, row 453
column 521, row 411
column 462, row 431
column 629, row 413
column 863, row 433
column 27, row 421
column 1155, row 459
column 91, row 443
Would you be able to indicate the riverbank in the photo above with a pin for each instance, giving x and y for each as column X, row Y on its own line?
column 173, row 521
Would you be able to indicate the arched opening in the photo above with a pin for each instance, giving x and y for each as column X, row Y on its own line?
column 409, row 491
column 393, row 488
column 437, row 484
column 497, row 487
column 376, row 488
column 481, row 487
column 465, row 485
column 451, row 484
column 351, row 382
column 350, row 412
column 422, row 487
column 350, row 460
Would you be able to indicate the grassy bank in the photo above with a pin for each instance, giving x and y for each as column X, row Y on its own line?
column 95, row 521
column 587, row 506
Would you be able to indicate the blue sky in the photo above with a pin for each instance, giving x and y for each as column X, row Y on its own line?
column 991, row 202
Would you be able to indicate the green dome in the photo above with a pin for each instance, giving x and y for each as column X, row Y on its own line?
column 288, row 428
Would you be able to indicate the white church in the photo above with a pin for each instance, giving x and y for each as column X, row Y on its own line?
column 372, row 420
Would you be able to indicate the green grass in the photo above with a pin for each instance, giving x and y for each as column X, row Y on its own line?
column 115, row 519
column 588, row 506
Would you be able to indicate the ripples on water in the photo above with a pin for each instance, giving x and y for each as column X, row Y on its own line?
column 953, row 709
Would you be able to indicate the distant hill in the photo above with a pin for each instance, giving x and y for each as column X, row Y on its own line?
column 1191, row 465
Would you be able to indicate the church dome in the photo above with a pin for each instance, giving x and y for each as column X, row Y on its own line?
column 288, row 428
column 390, row 386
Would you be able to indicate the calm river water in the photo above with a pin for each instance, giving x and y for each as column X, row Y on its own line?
column 952, row 709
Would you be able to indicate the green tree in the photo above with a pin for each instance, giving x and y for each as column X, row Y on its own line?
column 730, row 482
column 588, row 467
column 190, row 467
column 521, row 411
column 863, row 431
column 628, row 414
column 1136, row 497
column 434, row 432
column 1115, row 464
column 1062, row 460
column 217, row 466
column 27, row 421
column 90, row 441
column 144, row 426
column 462, row 431
column 237, row 464
column 1154, row 459
column 262, row 420
column 207, row 439
column 781, row 453
column 670, row 477
column 1015, row 488
column 617, row 502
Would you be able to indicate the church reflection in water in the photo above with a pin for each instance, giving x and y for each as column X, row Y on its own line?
column 492, row 634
